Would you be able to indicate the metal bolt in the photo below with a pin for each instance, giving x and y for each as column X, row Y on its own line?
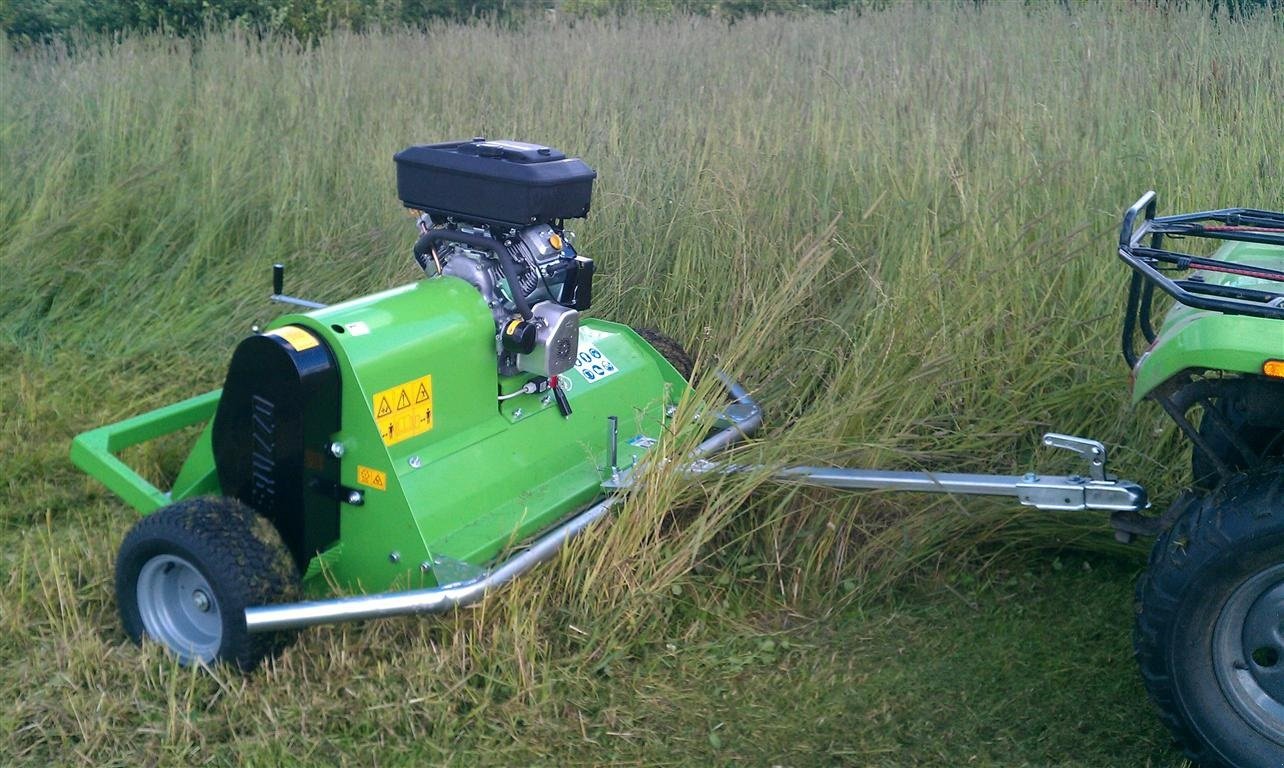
column 425, row 566
column 1029, row 477
column 670, row 409
column 201, row 600
column 394, row 557
column 354, row 497
column 546, row 399
column 517, row 414
column 337, row 450
column 415, row 462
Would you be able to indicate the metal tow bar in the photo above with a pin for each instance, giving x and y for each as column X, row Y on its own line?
column 1054, row 493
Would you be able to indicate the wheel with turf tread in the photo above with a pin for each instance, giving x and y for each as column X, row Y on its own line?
column 186, row 573
column 669, row 349
column 1208, row 629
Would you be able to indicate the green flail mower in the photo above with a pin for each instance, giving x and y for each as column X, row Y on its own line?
column 415, row 449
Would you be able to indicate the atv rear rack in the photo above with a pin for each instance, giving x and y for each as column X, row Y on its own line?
column 1149, row 264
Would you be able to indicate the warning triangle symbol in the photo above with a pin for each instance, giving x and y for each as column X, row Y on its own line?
column 423, row 394
column 403, row 401
column 384, row 408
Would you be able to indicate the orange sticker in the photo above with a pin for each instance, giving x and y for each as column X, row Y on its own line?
column 372, row 478
column 403, row 411
column 295, row 336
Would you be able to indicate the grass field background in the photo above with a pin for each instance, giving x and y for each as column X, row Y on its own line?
column 896, row 227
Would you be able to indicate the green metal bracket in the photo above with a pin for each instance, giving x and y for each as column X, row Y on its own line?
column 95, row 452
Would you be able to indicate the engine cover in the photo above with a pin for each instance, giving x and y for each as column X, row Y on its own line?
column 505, row 183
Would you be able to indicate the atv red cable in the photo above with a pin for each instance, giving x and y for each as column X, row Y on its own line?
column 1274, row 277
column 1241, row 229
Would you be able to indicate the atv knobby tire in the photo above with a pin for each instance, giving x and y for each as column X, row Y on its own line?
column 186, row 573
column 1208, row 625
column 669, row 349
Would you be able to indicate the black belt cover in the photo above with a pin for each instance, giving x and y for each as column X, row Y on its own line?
column 271, row 434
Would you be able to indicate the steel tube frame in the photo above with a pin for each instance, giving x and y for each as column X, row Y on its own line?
column 272, row 618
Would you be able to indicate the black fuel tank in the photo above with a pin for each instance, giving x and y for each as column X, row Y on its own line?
column 279, row 407
column 505, row 183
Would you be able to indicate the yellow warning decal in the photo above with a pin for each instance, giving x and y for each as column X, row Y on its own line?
column 404, row 411
column 295, row 337
column 372, row 478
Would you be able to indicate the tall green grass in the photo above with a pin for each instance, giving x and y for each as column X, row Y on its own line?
column 895, row 227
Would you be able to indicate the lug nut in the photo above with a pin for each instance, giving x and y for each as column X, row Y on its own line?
column 337, row 450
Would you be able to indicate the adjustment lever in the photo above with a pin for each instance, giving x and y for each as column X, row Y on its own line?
column 278, row 291
column 1092, row 450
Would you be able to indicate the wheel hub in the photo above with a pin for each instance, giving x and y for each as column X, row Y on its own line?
column 179, row 609
column 1248, row 651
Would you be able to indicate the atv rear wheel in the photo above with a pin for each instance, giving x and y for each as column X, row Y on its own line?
column 186, row 573
column 1208, row 635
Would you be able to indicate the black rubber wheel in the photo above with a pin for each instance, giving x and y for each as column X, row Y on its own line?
column 669, row 349
column 186, row 573
column 1208, row 635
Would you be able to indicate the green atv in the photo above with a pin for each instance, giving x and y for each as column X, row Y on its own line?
column 1209, row 633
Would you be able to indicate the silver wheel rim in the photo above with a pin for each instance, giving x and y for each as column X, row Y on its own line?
column 179, row 609
column 1248, row 651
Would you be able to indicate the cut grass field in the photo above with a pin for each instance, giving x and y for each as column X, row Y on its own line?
column 895, row 227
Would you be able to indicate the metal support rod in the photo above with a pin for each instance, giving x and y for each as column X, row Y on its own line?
column 271, row 618
column 736, row 432
column 1044, row 492
column 278, row 291
column 296, row 301
column 889, row 480
column 613, row 442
